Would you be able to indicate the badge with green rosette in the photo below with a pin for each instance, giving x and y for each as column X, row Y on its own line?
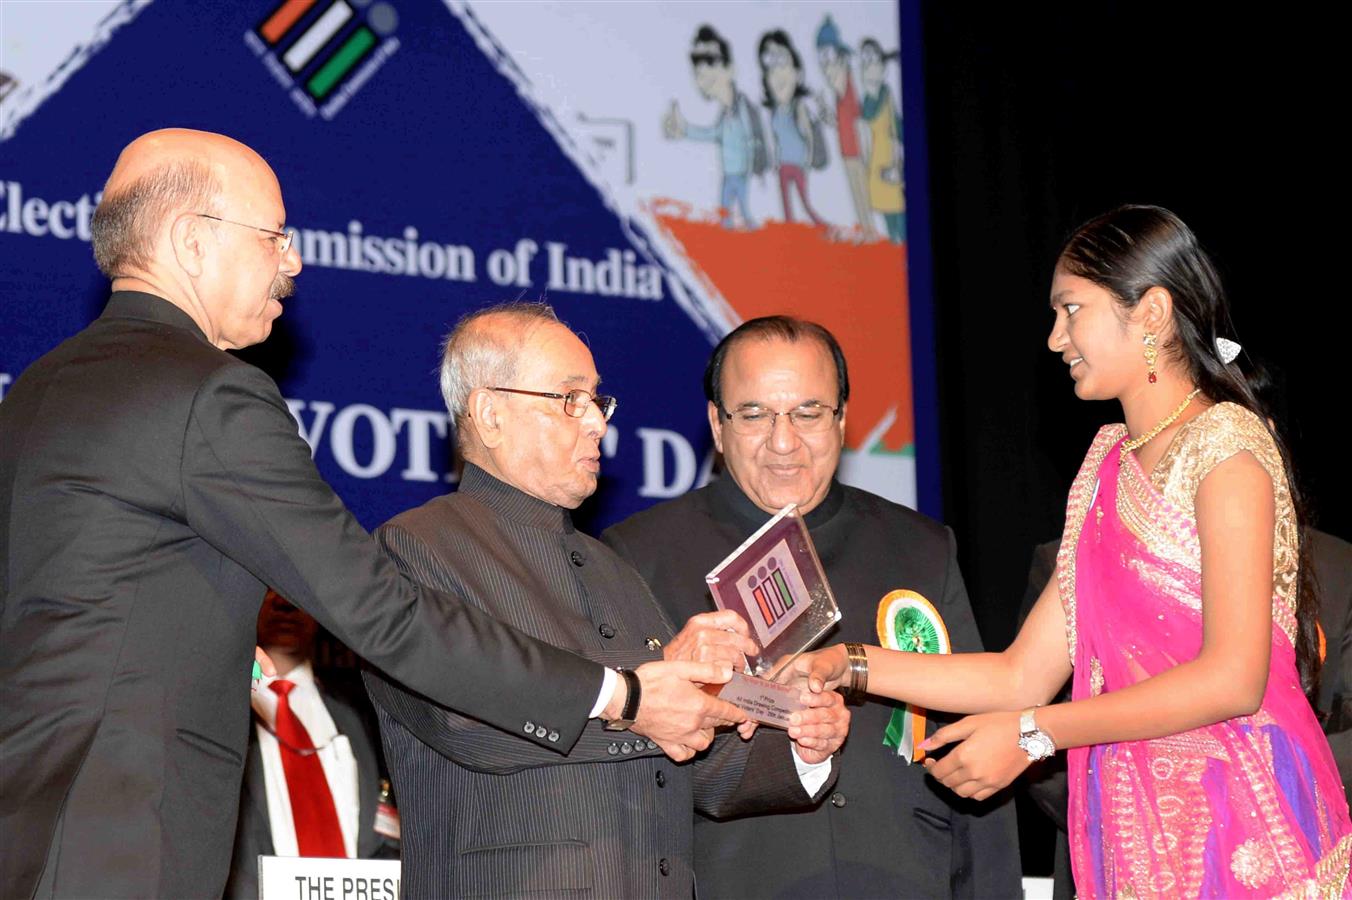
column 909, row 623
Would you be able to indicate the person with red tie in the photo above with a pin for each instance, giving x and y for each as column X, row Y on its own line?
column 311, row 782
column 308, row 796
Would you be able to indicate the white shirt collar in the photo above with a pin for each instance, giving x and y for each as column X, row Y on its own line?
column 264, row 700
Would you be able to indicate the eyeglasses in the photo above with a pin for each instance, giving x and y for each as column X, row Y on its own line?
column 281, row 239
column 575, row 402
column 810, row 418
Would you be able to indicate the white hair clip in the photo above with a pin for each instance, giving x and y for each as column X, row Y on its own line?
column 1227, row 350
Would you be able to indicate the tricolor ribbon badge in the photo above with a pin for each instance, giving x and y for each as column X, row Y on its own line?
column 909, row 623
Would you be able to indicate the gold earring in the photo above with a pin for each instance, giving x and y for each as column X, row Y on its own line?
column 1150, row 355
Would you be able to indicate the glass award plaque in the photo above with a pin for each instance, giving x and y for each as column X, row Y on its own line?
column 776, row 583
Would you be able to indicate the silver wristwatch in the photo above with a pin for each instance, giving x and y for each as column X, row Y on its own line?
column 1033, row 740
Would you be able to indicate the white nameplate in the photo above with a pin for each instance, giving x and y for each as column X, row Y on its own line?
column 317, row 878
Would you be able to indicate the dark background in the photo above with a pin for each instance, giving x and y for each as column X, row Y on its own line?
column 1043, row 115
column 1040, row 118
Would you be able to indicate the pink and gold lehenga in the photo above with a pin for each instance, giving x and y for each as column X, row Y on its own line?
column 1251, row 806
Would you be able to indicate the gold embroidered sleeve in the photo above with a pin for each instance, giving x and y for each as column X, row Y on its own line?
column 1209, row 440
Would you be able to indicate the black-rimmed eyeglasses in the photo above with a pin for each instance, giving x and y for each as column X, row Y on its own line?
column 282, row 240
column 575, row 402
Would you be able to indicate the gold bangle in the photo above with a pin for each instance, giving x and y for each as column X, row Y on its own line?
column 858, row 660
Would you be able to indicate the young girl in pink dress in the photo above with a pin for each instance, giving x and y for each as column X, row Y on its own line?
column 1197, row 767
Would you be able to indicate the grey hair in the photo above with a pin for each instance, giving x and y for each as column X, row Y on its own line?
column 473, row 356
column 126, row 223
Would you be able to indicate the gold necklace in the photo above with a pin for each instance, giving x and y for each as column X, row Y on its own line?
column 1134, row 443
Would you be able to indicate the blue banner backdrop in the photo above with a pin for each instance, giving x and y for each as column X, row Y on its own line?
column 425, row 181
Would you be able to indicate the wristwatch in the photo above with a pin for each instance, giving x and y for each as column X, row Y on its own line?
column 1034, row 741
column 630, row 711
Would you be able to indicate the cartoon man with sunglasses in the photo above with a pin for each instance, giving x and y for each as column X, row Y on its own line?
column 737, row 131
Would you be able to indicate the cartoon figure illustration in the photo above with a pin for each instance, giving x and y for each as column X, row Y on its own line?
column 834, row 56
column 880, row 111
column 737, row 130
column 798, row 137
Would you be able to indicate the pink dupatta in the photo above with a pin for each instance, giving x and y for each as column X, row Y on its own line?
column 1252, row 806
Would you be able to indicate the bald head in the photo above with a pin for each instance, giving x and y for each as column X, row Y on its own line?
column 160, row 176
column 197, row 219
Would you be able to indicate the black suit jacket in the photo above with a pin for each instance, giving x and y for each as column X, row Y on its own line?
column 888, row 829
column 1331, row 560
column 150, row 486
column 485, row 813
column 253, row 831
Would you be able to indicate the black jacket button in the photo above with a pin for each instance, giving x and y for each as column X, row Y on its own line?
column 661, row 780
column 607, row 631
column 837, row 799
column 663, row 866
column 577, row 558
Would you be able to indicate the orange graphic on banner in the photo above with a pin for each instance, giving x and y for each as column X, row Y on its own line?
column 857, row 290
column 283, row 18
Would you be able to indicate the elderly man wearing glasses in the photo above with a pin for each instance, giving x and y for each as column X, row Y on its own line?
column 482, row 810
column 777, row 390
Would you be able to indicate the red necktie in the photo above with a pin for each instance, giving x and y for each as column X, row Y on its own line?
column 312, row 809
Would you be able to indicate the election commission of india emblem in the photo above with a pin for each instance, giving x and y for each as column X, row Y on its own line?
column 322, row 52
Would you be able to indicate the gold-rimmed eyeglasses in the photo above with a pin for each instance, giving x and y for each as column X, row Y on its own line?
column 282, row 240
column 809, row 418
column 575, row 402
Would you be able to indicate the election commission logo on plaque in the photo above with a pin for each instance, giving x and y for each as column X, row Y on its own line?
column 775, row 589
column 324, row 51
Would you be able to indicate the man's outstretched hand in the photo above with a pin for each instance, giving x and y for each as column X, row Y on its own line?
column 673, row 712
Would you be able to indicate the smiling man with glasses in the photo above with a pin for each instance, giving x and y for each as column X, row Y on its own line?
column 778, row 390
